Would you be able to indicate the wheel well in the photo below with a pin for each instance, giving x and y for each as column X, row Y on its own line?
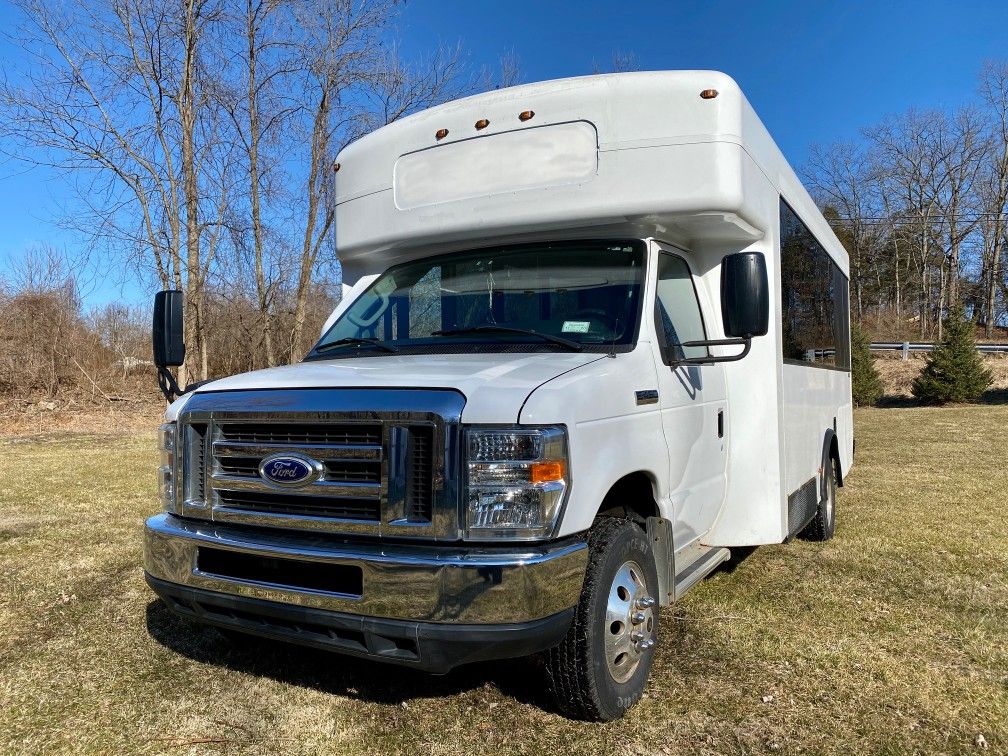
column 632, row 497
column 834, row 453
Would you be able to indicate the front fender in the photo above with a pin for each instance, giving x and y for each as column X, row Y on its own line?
column 610, row 434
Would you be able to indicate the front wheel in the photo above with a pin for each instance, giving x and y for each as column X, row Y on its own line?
column 601, row 667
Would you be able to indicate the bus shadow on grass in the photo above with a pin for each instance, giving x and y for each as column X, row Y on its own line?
column 993, row 396
column 996, row 396
column 338, row 674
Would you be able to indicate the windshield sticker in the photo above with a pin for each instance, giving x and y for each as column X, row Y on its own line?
column 576, row 326
column 385, row 286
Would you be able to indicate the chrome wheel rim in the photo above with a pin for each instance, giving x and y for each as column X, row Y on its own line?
column 830, row 494
column 629, row 622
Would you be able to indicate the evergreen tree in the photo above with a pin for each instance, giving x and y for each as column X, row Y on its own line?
column 954, row 371
column 866, row 386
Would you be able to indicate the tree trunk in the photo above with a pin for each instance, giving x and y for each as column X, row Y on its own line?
column 312, row 240
column 897, row 293
column 990, row 305
column 942, row 293
column 190, row 190
column 925, row 297
column 265, row 318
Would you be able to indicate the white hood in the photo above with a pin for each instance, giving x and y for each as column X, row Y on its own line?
column 495, row 385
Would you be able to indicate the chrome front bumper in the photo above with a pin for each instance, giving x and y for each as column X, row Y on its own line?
column 427, row 584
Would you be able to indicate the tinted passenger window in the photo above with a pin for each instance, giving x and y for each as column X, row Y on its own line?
column 677, row 310
column 815, row 310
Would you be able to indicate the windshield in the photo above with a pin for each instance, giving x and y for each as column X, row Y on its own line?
column 576, row 296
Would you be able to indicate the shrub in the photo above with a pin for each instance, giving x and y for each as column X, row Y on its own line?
column 954, row 371
column 866, row 385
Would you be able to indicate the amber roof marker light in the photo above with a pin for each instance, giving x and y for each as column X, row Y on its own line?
column 709, row 94
column 526, row 115
column 440, row 134
column 481, row 124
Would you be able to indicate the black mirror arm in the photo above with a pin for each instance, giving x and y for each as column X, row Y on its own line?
column 169, row 386
column 745, row 342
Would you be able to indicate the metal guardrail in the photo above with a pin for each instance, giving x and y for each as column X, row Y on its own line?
column 918, row 346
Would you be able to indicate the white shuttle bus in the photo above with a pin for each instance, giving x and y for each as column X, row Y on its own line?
column 595, row 335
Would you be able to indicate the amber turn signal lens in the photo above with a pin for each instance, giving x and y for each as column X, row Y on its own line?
column 546, row 472
column 482, row 123
column 526, row 115
column 440, row 134
column 709, row 94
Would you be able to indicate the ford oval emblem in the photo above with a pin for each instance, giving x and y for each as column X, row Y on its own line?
column 289, row 470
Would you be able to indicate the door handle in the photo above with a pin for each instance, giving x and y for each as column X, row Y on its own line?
column 720, row 423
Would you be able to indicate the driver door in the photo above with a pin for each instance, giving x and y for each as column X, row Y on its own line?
column 692, row 400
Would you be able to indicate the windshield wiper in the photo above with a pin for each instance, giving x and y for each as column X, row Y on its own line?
column 358, row 341
column 559, row 340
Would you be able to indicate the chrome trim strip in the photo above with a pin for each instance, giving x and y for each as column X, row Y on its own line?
column 234, row 516
column 431, row 584
column 369, row 453
column 344, row 490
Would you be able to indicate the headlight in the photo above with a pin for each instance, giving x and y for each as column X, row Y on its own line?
column 517, row 480
column 167, row 446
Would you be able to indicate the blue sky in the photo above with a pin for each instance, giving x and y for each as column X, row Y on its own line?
column 814, row 71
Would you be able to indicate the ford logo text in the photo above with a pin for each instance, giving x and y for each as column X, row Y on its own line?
column 289, row 470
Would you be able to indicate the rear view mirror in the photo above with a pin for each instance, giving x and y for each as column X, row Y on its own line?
column 169, row 344
column 745, row 295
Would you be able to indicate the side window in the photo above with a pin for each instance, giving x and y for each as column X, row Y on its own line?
column 677, row 311
column 814, row 301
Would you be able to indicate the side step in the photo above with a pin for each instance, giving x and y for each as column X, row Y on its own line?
column 699, row 569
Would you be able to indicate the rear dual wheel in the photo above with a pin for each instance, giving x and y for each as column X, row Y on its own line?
column 601, row 667
column 823, row 525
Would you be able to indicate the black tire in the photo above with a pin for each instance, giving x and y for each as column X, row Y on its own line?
column 578, row 669
column 823, row 525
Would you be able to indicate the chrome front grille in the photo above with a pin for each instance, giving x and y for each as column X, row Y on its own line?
column 378, row 473
column 419, row 473
column 291, row 434
column 196, row 442
column 336, row 507
column 350, row 488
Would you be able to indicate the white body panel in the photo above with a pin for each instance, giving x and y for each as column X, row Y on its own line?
column 611, row 435
column 700, row 175
column 809, row 396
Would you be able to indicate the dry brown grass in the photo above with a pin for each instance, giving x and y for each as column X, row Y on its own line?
column 897, row 375
column 892, row 638
column 107, row 418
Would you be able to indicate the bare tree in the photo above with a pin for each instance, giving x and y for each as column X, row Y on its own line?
column 510, row 69
column 507, row 74
column 994, row 187
column 621, row 62
column 935, row 224
column 208, row 122
column 840, row 176
column 961, row 143
column 336, row 53
column 116, row 96
column 386, row 88
column 909, row 147
column 260, row 107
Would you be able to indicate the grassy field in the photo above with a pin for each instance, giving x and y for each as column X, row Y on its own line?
column 892, row 638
